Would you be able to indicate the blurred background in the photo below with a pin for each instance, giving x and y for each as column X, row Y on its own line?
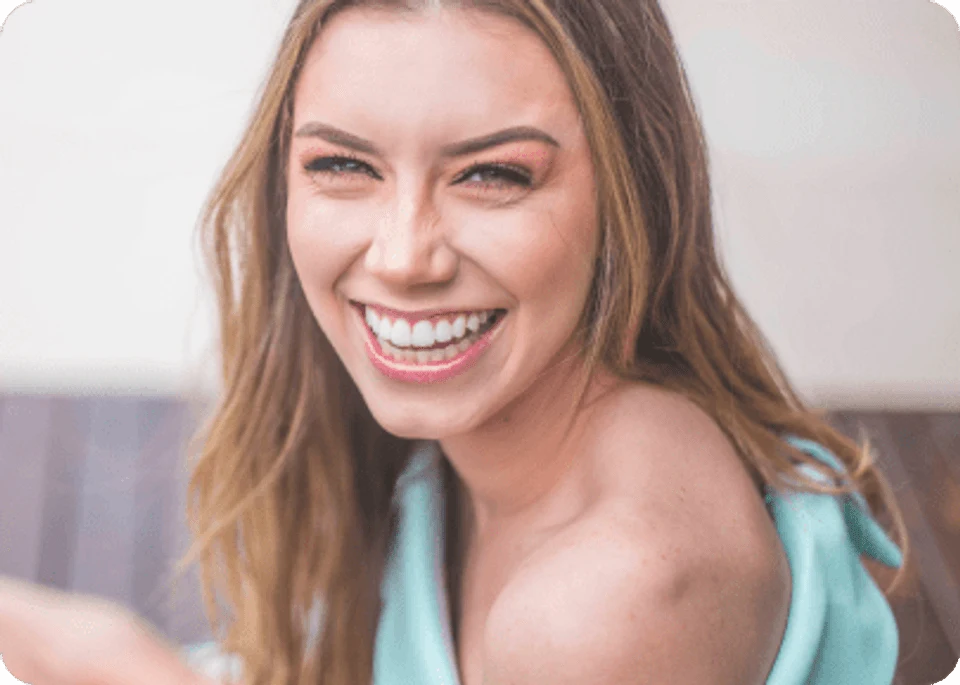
column 835, row 141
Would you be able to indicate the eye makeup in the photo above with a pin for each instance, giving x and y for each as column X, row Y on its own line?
column 503, row 173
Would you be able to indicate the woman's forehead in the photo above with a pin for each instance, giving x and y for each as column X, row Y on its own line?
column 456, row 65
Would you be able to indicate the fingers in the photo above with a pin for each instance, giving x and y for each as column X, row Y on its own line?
column 48, row 637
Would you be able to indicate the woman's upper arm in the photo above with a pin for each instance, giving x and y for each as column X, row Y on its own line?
column 602, row 620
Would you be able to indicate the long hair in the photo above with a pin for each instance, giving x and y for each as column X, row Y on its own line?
column 289, row 496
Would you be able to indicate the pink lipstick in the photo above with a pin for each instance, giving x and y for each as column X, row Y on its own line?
column 426, row 372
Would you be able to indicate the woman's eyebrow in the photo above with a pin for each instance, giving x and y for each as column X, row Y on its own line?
column 336, row 136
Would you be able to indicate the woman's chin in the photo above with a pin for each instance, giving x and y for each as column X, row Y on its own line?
column 413, row 433
column 418, row 427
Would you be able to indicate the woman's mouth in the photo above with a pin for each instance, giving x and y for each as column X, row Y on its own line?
column 431, row 350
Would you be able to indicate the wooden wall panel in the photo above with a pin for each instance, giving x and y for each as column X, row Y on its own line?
column 927, row 608
column 25, row 436
column 66, row 467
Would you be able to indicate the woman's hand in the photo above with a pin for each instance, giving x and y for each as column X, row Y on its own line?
column 48, row 637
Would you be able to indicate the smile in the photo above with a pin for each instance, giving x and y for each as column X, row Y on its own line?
column 433, row 349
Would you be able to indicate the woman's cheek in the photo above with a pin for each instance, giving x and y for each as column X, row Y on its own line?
column 313, row 231
column 311, row 253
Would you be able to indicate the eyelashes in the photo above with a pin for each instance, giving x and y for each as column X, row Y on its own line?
column 506, row 175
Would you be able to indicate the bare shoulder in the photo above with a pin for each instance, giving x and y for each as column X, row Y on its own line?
column 677, row 573
column 665, row 466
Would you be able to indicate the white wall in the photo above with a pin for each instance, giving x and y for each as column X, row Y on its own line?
column 835, row 133
column 115, row 118
column 834, row 130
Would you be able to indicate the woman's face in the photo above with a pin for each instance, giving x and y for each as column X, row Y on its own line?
column 413, row 225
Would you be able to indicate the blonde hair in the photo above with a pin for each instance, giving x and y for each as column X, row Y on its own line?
column 289, row 497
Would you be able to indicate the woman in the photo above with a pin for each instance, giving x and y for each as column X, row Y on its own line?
column 492, row 413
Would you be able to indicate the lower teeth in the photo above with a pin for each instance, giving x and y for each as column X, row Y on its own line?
column 428, row 356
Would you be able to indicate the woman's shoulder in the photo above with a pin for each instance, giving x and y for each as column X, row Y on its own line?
column 678, row 526
column 665, row 467
column 601, row 585
column 679, row 484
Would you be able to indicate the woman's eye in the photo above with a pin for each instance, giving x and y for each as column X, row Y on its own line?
column 502, row 175
column 506, row 175
column 332, row 166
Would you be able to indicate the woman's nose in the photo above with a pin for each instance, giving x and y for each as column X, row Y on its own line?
column 410, row 248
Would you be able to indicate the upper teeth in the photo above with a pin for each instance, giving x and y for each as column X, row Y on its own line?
column 424, row 334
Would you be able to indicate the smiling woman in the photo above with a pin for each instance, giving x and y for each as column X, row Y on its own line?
column 479, row 354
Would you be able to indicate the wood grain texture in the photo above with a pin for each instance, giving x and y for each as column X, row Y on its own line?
column 25, row 434
column 92, row 496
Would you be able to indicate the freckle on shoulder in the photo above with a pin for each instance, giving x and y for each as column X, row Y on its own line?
column 668, row 466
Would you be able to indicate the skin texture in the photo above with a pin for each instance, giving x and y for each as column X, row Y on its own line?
column 408, row 230
column 677, row 575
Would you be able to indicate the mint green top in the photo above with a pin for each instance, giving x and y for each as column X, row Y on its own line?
column 840, row 628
